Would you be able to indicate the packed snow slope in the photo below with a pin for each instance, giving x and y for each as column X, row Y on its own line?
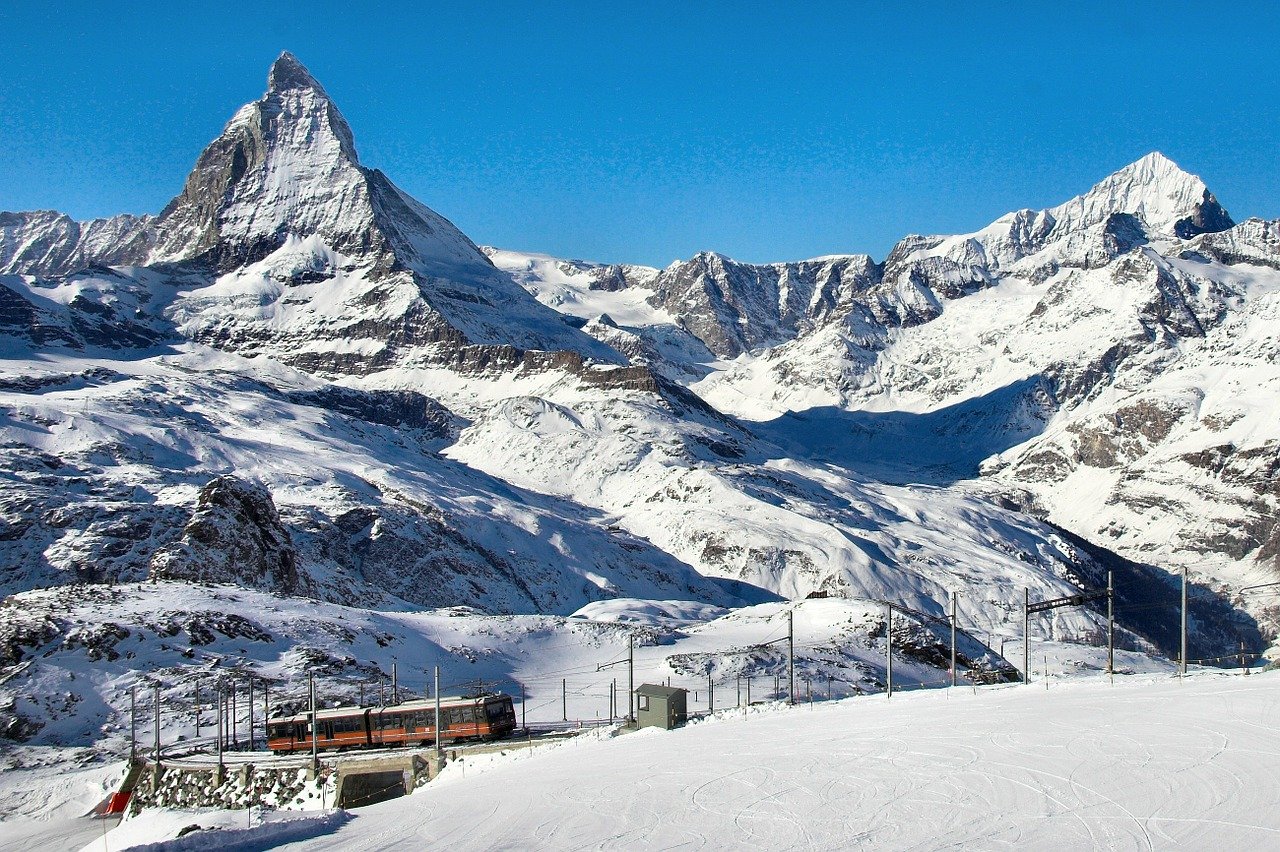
column 1144, row 764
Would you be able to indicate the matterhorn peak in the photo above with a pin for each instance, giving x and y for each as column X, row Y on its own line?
column 1167, row 199
column 288, row 73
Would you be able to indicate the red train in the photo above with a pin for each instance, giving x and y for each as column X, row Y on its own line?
column 485, row 717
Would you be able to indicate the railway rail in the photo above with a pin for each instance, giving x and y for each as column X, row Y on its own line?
column 202, row 753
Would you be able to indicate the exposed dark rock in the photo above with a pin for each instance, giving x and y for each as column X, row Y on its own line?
column 396, row 408
column 234, row 536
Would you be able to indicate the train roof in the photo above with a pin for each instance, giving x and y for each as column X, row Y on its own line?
column 402, row 707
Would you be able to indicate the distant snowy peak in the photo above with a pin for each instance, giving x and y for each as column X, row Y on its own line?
column 282, row 244
column 1165, row 198
column 285, row 165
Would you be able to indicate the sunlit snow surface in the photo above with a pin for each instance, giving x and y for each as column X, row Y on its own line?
column 1146, row 763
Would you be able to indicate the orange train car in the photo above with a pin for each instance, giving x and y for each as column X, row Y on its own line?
column 484, row 717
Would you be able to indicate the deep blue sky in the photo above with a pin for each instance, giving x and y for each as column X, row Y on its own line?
column 647, row 132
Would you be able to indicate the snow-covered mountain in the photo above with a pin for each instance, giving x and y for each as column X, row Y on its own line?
column 281, row 243
column 296, row 382
column 1108, row 363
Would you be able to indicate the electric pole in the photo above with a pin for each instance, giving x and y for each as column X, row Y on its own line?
column 133, row 724
column 1111, row 628
column 197, row 707
column 157, row 703
column 791, row 657
column 711, row 695
column 395, row 685
column 1026, row 636
column 315, row 724
column 1182, row 665
column 953, row 638
column 221, row 724
column 437, row 692
column 888, row 654
column 235, row 733
column 631, row 677
column 564, row 698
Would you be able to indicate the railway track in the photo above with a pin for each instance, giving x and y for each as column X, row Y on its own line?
column 202, row 753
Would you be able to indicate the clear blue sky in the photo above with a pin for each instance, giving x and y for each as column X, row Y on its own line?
column 645, row 132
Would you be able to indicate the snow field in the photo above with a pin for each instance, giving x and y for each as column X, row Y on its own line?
column 1149, row 762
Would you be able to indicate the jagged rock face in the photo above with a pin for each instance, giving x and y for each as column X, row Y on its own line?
column 49, row 243
column 736, row 307
column 234, row 536
column 1253, row 242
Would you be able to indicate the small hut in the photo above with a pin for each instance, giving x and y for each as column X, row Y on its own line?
column 661, row 706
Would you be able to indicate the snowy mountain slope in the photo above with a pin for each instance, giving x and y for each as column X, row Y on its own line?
column 1104, row 344
column 615, row 305
column 737, row 507
column 105, row 461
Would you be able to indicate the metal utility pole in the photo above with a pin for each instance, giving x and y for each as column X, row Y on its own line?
column 133, row 723
column 221, row 724
column 197, row 707
column 315, row 726
column 1026, row 636
column 631, row 677
column 395, row 685
column 791, row 657
column 361, row 693
column 437, row 692
column 251, row 714
column 266, row 707
column 1111, row 627
column 748, row 690
column 382, row 691
column 522, row 703
column 888, row 654
column 564, row 698
column 157, row 703
column 235, row 728
column 953, row 638
column 1182, row 665
column 711, row 695
column 828, row 687
column 739, row 691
